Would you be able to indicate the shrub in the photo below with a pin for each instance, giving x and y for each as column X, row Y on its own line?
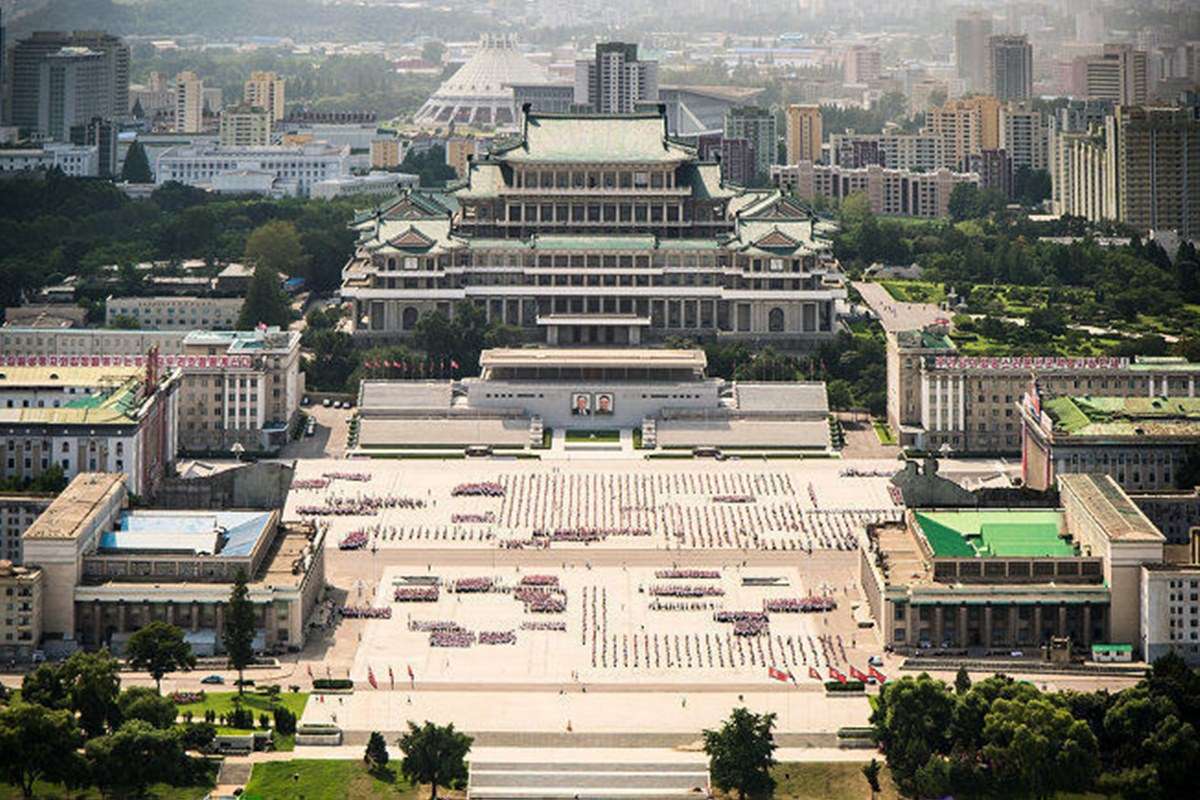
column 210, row 715
column 285, row 721
column 187, row 716
column 848, row 686
column 333, row 683
column 264, row 721
column 199, row 736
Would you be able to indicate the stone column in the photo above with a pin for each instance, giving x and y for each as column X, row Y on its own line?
column 1087, row 625
column 962, row 626
column 220, row 620
column 1037, row 624
column 1062, row 619
column 939, row 625
column 1013, row 615
column 195, row 616
column 987, row 626
column 122, row 617
column 97, row 623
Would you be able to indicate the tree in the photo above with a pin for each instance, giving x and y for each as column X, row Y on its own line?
column 912, row 722
column 265, row 304
column 44, row 687
column 435, row 755
column 147, row 705
column 962, row 681
column 238, row 636
column 1036, row 748
column 964, row 202
column 376, row 756
column 125, row 762
column 432, row 51
column 276, row 245
column 37, row 743
column 159, row 648
column 136, row 168
column 741, row 753
column 871, row 772
column 93, row 684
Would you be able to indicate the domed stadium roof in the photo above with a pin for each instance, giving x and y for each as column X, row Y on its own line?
column 479, row 94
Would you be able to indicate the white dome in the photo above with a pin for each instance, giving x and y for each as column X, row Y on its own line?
column 479, row 94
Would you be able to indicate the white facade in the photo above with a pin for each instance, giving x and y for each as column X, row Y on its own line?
column 1023, row 135
column 176, row 313
column 1170, row 608
column 302, row 166
column 891, row 192
column 377, row 183
column 74, row 161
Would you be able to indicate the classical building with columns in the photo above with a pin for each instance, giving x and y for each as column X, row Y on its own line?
column 939, row 399
column 1002, row 579
column 598, row 230
column 109, row 569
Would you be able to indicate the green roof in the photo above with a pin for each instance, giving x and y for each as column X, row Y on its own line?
column 1125, row 416
column 925, row 340
column 646, row 242
column 1112, row 648
column 594, row 138
column 995, row 534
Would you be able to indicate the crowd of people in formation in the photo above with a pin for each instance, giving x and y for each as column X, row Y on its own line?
column 557, row 625
column 687, row 574
column 416, row 594
column 471, row 519
column 728, row 650
column 360, row 505
column 695, row 605
column 366, row 612
column 354, row 540
column 497, row 637
column 455, row 636
column 684, row 590
column 479, row 489
column 323, row 482
column 309, row 484
column 734, row 498
column 896, row 495
column 799, row 605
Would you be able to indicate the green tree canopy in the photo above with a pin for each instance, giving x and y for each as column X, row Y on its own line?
column 147, row 705
column 159, row 648
column 1036, row 748
column 741, row 753
column 93, row 683
column 376, row 756
column 136, row 168
column 238, row 636
column 37, row 743
column 434, row 754
column 265, row 304
column 125, row 762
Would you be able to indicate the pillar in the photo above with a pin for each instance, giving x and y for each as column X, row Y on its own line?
column 220, row 619
column 1062, row 619
column 1037, row 624
column 939, row 625
column 122, row 617
column 195, row 616
column 987, row 626
column 1087, row 625
column 1013, row 615
column 962, row 626
column 97, row 623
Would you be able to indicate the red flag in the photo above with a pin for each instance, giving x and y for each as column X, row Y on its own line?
column 777, row 674
column 453, row 364
column 877, row 675
column 839, row 677
column 812, row 673
column 858, row 676
column 371, row 678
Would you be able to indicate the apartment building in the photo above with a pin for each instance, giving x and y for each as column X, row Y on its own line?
column 891, row 192
column 916, row 152
column 245, row 126
column 965, row 126
column 1154, row 167
column 615, row 81
column 1010, row 67
column 75, row 88
column 1119, row 74
column 189, row 103
column 1023, row 135
column 757, row 126
column 266, row 90
column 20, row 611
column 27, row 59
column 861, row 64
column 971, row 34
column 803, row 134
column 17, row 512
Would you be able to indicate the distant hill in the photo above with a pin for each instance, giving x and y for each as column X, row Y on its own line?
column 220, row 19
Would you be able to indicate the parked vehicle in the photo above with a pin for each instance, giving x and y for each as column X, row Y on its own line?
column 211, row 679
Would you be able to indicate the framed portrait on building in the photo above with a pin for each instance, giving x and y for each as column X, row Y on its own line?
column 581, row 404
column 604, row 404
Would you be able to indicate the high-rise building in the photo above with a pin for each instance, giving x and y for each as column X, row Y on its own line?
column 993, row 168
column 861, row 65
column 890, row 192
column 965, row 126
column 1010, row 67
column 25, row 76
column 616, row 80
column 1119, row 74
column 72, row 91
column 189, row 103
column 971, row 34
column 757, row 125
column 803, row 134
column 1154, row 156
column 245, row 126
column 265, row 90
column 101, row 134
column 1023, row 135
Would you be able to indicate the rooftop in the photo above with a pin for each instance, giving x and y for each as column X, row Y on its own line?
column 115, row 397
column 995, row 534
column 926, row 340
column 76, row 504
column 226, row 534
column 585, row 358
column 1101, row 497
column 1151, row 417
column 611, row 139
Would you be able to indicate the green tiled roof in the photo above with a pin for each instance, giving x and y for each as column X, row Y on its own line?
column 646, row 242
column 995, row 534
column 705, row 181
column 925, row 340
column 624, row 139
column 1125, row 416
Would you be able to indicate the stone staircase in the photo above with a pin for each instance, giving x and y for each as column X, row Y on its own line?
column 649, row 433
column 546, row 780
column 535, row 432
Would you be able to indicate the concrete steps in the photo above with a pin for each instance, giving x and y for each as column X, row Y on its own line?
column 546, row 780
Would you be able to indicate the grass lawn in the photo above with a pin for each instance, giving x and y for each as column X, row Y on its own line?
column 915, row 291
column 158, row 791
column 594, row 436
column 325, row 780
column 883, row 432
column 222, row 703
column 827, row 781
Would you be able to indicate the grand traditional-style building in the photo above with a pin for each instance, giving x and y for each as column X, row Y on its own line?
column 598, row 229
